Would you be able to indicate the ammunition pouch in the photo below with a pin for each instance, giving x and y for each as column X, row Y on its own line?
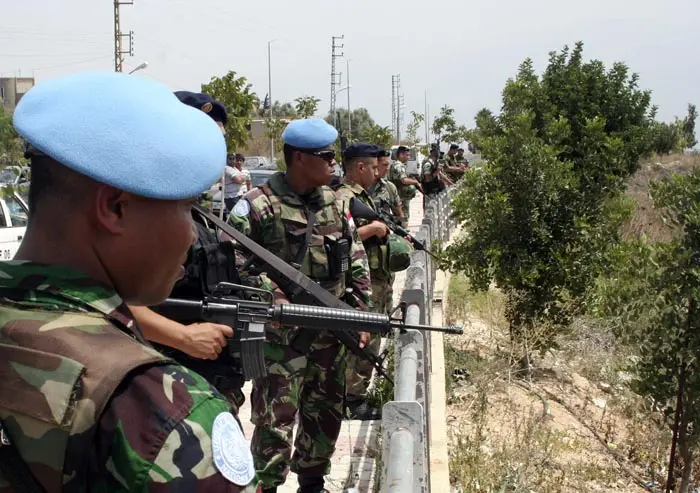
column 338, row 253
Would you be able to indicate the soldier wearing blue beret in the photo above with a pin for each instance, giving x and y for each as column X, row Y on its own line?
column 116, row 163
column 298, row 218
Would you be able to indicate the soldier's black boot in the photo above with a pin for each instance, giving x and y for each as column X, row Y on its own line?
column 311, row 484
column 362, row 411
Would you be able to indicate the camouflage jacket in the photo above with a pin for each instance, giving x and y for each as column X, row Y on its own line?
column 67, row 344
column 386, row 196
column 276, row 218
column 398, row 172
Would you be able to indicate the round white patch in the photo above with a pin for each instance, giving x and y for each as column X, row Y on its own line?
column 242, row 208
column 232, row 456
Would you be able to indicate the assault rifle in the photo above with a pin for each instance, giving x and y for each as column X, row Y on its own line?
column 295, row 284
column 248, row 310
column 361, row 211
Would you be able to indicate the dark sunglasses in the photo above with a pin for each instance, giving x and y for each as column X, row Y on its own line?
column 327, row 156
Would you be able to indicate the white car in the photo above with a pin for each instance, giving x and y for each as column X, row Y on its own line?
column 14, row 213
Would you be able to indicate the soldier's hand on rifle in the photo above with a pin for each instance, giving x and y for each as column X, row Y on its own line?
column 380, row 229
column 205, row 340
column 364, row 338
column 279, row 300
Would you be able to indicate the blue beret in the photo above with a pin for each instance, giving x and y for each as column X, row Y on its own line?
column 125, row 131
column 309, row 133
column 361, row 149
column 204, row 102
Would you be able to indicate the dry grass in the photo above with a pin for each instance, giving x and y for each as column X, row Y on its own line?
column 573, row 426
column 645, row 219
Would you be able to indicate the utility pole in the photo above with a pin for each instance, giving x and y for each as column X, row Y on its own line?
column 269, row 93
column 349, row 115
column 427, row 116
column 396, row 102
column 334, row 75
column 118, row 50
column 400, row 107
column 394, row 111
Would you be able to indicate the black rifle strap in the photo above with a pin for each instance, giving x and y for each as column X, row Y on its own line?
column 290, row 274
column 13, row 468
column 311, row 221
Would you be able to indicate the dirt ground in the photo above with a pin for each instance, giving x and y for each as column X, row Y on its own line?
column 555, row 431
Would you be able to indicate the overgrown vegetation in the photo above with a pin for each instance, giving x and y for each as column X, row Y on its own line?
column 596, row 260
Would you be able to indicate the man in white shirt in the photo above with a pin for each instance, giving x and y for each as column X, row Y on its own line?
column 236, row 180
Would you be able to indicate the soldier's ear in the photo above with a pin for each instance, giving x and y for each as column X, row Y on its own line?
column 109, row 204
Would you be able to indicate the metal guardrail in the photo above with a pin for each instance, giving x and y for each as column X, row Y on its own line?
column 405, row 429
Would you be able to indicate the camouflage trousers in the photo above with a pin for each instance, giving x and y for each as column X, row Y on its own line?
column 406, row 204
column 358, row 372
column 310, row 385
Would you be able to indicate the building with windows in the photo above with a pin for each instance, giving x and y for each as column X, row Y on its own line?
column 12, row 89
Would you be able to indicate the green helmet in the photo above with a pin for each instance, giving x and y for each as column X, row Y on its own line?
column 399, row 253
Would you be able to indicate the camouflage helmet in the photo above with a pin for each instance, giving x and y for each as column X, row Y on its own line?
column 399, row 253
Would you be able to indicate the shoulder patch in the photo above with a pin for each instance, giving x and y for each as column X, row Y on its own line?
column 232, row 456
column 242, row 208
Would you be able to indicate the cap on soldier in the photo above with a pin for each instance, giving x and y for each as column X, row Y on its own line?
column 454, row 147
column 361, row 149
column 309, row 133
column 205, row 103
column 128, row 132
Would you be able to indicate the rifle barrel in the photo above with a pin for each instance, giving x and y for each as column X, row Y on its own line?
column 450, row 329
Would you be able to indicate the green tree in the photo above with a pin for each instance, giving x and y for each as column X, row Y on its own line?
column 689, row 126
column 280, row 110
column 445, row 128
column 542, row 216
column 361, row 120
column 306, row 106
column 376, row 134
column 412, row 128
column 273, row 130
column 240, row 102
column 11, row 146
column 668, row 368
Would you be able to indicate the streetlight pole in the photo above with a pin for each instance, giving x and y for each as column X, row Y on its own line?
column 269, row 92
column 347, row 69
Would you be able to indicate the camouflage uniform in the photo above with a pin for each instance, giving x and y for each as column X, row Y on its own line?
column 67, row 344
column 397, row 172
column 358, row 371
column 307, row 382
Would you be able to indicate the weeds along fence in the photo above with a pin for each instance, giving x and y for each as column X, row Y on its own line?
column 405, row 420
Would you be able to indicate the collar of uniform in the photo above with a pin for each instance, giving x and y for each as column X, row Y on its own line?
column 63, row 287
column 279, row 185
column 356, row 188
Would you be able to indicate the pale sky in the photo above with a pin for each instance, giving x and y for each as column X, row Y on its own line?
column 461, row 52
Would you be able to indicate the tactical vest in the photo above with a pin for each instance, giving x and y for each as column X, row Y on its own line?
column 54, row 386
column 209, row 262
column 376, row 248
column 290, row 235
